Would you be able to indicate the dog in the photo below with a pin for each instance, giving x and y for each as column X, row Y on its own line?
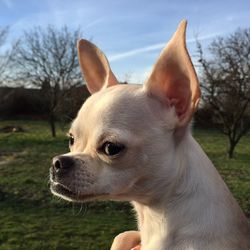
column 133, row 143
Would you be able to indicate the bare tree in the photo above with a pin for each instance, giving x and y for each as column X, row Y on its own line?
column 6, row 55
column 226, row 84
column 47, row 58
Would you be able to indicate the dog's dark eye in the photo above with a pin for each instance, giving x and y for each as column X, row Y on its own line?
column 71, row 140
column 111, row 149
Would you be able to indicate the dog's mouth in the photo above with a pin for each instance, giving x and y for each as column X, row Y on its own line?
column 64, row 192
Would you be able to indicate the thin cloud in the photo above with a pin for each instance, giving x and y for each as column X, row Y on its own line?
column 55, row 17
column 136, row 51
column 93, row 23
column 153, row 47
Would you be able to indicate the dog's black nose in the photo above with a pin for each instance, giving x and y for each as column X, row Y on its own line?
column 61, row 163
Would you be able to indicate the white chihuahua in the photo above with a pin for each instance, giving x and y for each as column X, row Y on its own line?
column 134, row 143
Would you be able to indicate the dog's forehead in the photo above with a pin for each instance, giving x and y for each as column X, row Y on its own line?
column 113, row 100
column 116, row 94
column 120, row 106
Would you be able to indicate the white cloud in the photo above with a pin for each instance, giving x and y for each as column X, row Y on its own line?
column 133, row 52
column 152, row 47
column 139, row 76
column 136, row 77
column 92, row 24
column 55, row 17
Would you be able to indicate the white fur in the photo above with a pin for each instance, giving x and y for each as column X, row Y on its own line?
column 199, row 214
column 181, row 201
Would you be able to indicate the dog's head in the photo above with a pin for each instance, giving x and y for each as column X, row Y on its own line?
column 122, row 143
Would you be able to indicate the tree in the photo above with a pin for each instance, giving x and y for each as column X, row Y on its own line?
column 226, row 84
column 47, row 58
column 5, row 57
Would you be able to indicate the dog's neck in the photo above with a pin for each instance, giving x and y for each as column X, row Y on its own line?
column 165, row 219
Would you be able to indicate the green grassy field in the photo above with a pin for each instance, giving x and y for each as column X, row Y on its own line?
column 31, row 218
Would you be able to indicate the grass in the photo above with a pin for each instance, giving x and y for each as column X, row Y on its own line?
column 31, row 218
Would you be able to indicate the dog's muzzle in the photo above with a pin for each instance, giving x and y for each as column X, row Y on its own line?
column 62, row 164
column 63, row 174
column 61, row 169
column 60, row 173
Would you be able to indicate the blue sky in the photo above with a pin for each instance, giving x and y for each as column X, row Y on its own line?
column 130, row 32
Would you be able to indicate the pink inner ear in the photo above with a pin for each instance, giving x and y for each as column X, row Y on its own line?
column 178, row 92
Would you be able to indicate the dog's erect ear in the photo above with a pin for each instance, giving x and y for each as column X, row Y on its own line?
column 94, row 66
column 173, row 79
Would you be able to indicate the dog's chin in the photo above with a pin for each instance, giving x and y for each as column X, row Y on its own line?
column 65, row 193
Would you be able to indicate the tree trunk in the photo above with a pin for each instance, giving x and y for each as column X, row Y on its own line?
column 52, row 125
column 232, row 145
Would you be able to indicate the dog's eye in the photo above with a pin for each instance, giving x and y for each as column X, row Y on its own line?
column 71, row 140
column 112, row 149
